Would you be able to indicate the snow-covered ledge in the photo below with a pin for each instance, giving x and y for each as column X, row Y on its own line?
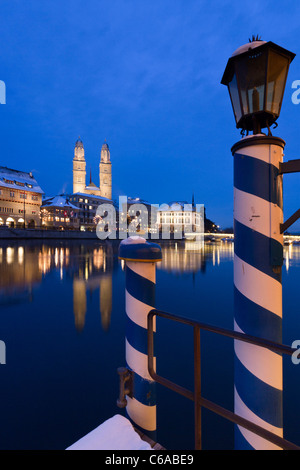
column 117, row 433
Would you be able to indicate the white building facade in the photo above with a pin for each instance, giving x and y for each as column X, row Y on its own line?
column 181, row 219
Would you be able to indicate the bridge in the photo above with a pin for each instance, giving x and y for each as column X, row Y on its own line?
column 287, row 239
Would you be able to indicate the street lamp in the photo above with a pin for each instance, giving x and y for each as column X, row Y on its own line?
column 256, row 76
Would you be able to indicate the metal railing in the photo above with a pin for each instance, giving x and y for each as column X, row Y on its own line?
column 195, row 395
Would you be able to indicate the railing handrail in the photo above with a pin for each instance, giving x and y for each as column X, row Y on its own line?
column 196, row 394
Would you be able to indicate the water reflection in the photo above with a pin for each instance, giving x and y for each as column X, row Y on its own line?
column 18, row 275
column 87, row 269
column 192, row 257
column 291, row 253
column 89, row 266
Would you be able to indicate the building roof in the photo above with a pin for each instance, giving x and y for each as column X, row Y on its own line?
column 15, row 179
column 58, row 201
column 79, row 143
column 137, row 200
column 92, row 196
column 175, row 206
column 92, row 186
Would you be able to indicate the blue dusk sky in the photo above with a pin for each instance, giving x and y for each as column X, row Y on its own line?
column 145, row 75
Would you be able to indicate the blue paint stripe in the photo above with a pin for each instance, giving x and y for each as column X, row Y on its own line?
column 144, row 390
column 137, row 336
column 256, row 177
column 262, row 399
column 255, row 320
column 240, row 442
column 255, row 249
column 151, row 434
column 140, row 251
column 140, row 288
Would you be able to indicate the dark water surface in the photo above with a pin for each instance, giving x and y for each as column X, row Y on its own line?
column 62, row 317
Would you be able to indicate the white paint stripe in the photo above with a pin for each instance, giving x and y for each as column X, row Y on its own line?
column 258, row 214
column 143, row 415
column 261, row 362
column 255, row 441
column 137, row 311
column 257, row 286
column 146, row 270
column 272, row 154
column 138, row 361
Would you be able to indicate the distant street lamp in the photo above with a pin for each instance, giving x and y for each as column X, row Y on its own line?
column 256, row 75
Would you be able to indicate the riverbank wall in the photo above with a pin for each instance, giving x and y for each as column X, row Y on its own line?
column 30, row 234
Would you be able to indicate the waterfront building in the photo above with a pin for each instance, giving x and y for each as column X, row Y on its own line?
column 139, row 215
column 58, row 212
column 20, row 199
column 180, row 217
column 87, row 205
column 79, row 172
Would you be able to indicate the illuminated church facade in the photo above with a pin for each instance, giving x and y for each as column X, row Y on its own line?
column 79, row 173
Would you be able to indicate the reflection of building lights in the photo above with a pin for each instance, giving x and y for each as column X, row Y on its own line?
column 44, row 261
column 61, row 256
column 191, row 256
column 98, row 258
column 287, row 260
column 9, row 255
column 20, row 255
column 86, row 269
column 56, row 257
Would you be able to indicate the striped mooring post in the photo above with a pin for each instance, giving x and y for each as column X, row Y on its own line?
column 140, row 257
column 258, row 259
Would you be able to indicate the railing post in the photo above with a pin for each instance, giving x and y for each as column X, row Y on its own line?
column 140, row 257
column 258, row 258
column 197, row 388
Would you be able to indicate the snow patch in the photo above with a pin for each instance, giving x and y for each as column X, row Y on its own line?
column 117, row 433
column 133, row 240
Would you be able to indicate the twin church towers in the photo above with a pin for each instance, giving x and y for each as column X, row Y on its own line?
column 79, row 172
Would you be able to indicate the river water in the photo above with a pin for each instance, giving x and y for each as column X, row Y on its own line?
column 62, row 318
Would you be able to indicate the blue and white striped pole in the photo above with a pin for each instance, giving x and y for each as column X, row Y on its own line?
column 140, row 257
column 258, row 257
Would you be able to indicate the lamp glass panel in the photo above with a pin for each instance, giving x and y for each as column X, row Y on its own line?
column 277, row 71
column 251, row 70
column 235, row 99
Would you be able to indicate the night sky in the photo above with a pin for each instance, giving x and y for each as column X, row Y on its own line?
column 145, row 75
